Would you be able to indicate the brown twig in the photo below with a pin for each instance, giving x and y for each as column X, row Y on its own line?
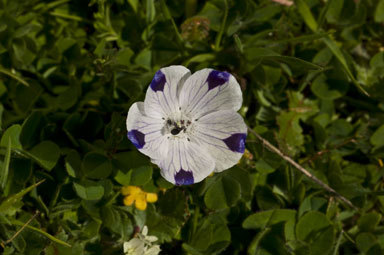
column 21, row 229
column 302, row 169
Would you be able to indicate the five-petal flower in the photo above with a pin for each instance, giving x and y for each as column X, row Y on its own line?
column 188, row 124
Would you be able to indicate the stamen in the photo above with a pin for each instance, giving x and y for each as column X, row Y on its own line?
column 175, row 131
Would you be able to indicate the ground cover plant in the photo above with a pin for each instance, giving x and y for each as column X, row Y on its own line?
column 312, row 77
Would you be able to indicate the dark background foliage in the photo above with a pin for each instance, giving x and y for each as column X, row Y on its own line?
column 312, row 75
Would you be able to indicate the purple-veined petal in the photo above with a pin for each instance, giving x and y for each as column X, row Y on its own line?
column 186, row 163
column 210, row 90
column 222, row 134
column 162, row 94
column 146, row 132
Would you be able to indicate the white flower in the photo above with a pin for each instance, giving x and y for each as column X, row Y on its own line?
column 142, row 244
column 135, row 246
column 188, row 124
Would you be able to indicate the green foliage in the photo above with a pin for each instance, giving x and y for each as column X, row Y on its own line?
column 312, row 76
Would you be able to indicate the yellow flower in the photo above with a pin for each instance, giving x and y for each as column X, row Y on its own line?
column 151, row 197
column 134, row 194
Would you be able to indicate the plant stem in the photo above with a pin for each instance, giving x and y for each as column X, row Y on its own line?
column 222, row 27
column 272, row 148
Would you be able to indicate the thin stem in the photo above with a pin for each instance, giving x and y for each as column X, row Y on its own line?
column 222, row 27
column 301, row 169
column 22, row 228
column 338, row 242
column 168, row 15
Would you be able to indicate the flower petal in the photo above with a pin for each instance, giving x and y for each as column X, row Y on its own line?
column 151, row 197
column 210, row 90
column 141, row 202
column 128, row 200
column 130, row 190
column 162, row 94
column 144, row 231
column 134, row 245
column 151, row 239
column 154, row 250
column 146, row 132
column 223, row 135
column 186, row 163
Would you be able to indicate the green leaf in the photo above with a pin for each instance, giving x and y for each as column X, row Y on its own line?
column 150, row 10
column 8, row 204
column 354, row 173
column 124, row 56
column 223, row 193
column 264, row 167
column 379, row 13
column 46, row 154
column 25, row 30
column 364, row 241
column 368, row 222
column 266, row 55
column 5, row 167
column 31, row 128
column 203, row 236
column 96, row 165
column 134, row 4
column 89, row 190
column 13, row 134
column 316, row 230
column 340, row 57
column 207, row 57
column 73, row 163
column 144, row 58
column 306, row 14
column 329, row 89
column 268, row 218
column 123, row 178
column 141, row 175
column 377, row 138
column 1, row 109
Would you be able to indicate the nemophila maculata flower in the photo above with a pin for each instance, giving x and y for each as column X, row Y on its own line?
column 188, row 123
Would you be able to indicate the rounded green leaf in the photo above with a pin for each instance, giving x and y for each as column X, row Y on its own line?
column 377, row 139
column 96, row 165
column 141, row 175
column 13, row 133
column 364, row 241
column 223, row 193
column 89, row 191
column 46, row 154
column 316, row 230
column 368, row 222
column 30, row 130
column 264, row 219
column 329, row 89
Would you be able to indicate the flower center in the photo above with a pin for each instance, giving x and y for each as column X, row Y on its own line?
column 178, row 127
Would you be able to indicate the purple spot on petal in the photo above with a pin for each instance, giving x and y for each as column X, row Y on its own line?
column 236, row 142
column 137, row 138
column 217, row 78
column 184, row 177
column 158, row 81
